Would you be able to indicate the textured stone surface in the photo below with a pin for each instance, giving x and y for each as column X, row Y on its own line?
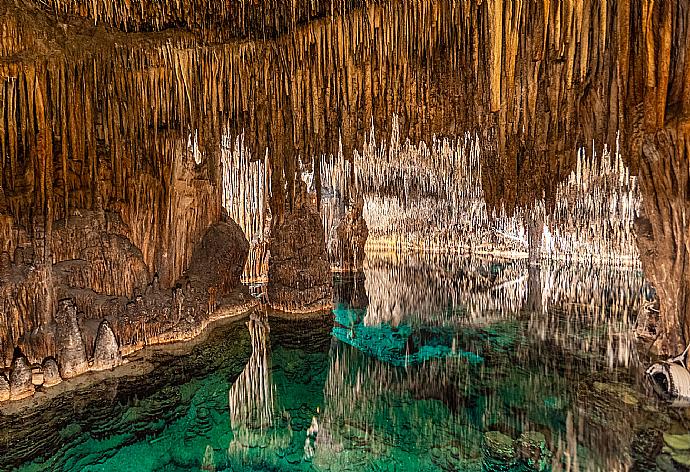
column 51, row 373
column 4, row 388
column 218, row 260
column 299, row 275
column 71, row 355
column 20, row 379
column 106, row 352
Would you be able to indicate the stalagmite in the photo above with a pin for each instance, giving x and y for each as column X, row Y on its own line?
column 106, row 351
column 20, row 378
column 51, row 373
column 71, row 354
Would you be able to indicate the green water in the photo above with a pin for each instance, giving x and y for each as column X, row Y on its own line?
column 340, row 392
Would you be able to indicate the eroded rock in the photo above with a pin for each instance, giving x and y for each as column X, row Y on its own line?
column 71, row 349
column 37, row 377
column 51, row 373
column 218, row 260
column 106, row 352
column 20, row 378
column 498, row 452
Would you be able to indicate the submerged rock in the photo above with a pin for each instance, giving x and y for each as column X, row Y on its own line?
column 71, row 350
column 51, row 373
column 533, row 451
column 208, row 464
column 679, row 442
column 20, row 379
column 498, row 452
column 617, row 390
column 106, row 352
column 4, row 388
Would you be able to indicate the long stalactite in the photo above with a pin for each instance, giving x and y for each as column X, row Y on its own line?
column 123, row 110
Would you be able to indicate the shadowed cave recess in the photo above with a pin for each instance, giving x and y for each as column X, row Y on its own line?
column 168, row 165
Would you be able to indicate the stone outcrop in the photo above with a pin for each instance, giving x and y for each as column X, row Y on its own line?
column 71, row 350
column 347, row 240
column 51, row 373
column 4, row 388
column 106, row 352
column 218, row 260
column 20, row 378
column 299, row 275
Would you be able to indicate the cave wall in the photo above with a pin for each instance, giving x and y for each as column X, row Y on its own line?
column 92, row 113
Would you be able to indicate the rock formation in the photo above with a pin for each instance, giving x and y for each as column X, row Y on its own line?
column 71, row 353
column 299, row 275
column 4, row 388
column 347, row 240
column 106, row 352
column 533, row 81
column 20, row 378
column 51, row 373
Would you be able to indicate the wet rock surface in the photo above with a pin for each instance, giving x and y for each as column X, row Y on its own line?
column 106, row 352
column 299, row 274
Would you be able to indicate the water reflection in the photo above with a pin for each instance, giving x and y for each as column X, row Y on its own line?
column 430, row 364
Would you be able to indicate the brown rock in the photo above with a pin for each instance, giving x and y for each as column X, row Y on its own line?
column 51, row 373
column 347, row 240
column 4, row 388
column 218, row 260
column 106, row 351
column 20, row 378
column 299, row 274
column 71, row 350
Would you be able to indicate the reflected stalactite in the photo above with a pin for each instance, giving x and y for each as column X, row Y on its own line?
column 251, row 396
column 563, row 304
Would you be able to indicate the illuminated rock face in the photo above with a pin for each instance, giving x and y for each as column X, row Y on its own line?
column 533, row 81
column 299, row 275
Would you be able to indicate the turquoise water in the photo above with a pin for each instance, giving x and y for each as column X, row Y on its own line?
column 377, row 385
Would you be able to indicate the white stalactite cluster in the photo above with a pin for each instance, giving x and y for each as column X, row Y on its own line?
column 246, row 193
column 430, row 197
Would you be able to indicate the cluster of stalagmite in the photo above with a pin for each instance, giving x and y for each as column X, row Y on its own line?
column 97, row 320
column 432, row 197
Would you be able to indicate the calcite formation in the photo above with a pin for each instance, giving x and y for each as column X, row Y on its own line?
column 51, row 373
column 348, row 238
column 299, row 275
column 71, row 353
column 20, row 378
column 106, row 351
column 122, row 109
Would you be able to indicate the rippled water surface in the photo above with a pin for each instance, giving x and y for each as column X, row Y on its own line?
column 425, row 364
